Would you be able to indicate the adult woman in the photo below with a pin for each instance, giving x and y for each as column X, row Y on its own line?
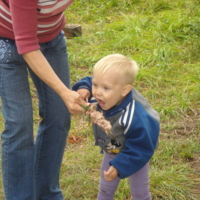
column 31, row 39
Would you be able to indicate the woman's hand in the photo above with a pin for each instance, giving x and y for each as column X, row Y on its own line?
column 73, row 101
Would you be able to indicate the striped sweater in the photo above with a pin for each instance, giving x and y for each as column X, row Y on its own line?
column 30, row 22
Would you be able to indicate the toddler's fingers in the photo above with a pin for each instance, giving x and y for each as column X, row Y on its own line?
column 110, row 170
column 105, row 172
column 107, row 176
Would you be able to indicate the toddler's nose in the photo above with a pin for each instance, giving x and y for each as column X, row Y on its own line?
column 98, row 92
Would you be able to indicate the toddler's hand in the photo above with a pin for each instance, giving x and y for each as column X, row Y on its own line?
column 111, row 174
column 84, row 93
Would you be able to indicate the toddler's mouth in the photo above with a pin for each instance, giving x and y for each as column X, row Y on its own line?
column 101, row 103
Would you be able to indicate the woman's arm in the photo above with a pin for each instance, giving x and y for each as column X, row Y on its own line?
column 24, row 19
column 38, row 63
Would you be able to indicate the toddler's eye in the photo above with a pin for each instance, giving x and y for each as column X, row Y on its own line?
column 106, row 88
column 95, row 85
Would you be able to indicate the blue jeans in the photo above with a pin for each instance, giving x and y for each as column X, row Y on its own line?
column 31, row 168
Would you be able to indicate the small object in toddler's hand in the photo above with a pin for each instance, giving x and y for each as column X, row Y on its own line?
column 98, row 118
column 86, row 107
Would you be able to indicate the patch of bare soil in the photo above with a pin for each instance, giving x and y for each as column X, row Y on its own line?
column 190, row 125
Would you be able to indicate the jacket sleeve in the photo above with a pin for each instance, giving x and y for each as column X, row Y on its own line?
column 141, row 133
column 86, row 83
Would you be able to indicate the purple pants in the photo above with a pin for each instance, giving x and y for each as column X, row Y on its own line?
column 139, row 182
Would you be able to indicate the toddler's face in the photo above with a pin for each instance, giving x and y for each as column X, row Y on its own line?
column 107, row 89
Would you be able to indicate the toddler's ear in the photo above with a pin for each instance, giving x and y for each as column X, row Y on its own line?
column 126, row 90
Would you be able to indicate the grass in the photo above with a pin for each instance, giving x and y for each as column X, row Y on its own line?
column 163, row 37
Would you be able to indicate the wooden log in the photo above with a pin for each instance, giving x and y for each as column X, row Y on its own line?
column 72, row 30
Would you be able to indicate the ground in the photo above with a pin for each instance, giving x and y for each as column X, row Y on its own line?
column 190, row 124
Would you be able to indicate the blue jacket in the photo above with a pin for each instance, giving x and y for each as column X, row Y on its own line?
column 135, row 125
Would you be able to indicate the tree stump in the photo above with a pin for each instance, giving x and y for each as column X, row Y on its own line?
column 72, row 30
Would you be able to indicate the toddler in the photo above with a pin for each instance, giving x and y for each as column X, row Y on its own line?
column 135, row 126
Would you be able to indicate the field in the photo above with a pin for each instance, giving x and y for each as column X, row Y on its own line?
column 163, row 37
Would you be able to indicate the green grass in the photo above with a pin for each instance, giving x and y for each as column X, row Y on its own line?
column 163, row 37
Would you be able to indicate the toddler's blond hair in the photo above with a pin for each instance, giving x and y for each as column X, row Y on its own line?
column 126, row 67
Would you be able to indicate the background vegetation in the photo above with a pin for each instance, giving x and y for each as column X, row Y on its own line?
column 163, row 37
